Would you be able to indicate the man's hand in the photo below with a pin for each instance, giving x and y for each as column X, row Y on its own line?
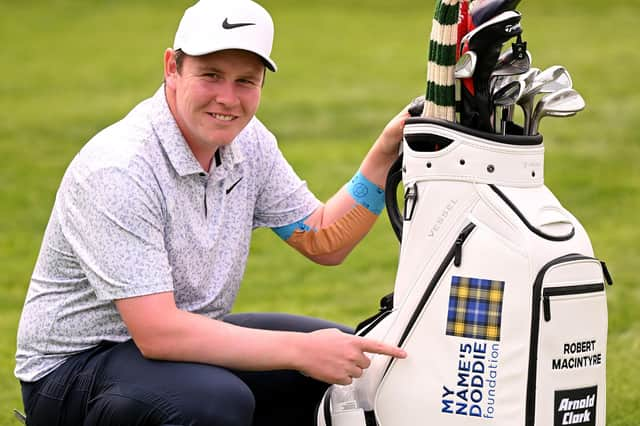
column 391, row 136
column 164, row 332
column 385, row 150
column 336, row 357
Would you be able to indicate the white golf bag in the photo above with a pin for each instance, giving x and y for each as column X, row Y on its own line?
column 498, row 299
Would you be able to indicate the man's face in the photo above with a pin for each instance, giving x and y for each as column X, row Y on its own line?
column 213, row 96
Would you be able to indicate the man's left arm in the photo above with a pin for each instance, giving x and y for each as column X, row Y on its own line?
column 332, row 230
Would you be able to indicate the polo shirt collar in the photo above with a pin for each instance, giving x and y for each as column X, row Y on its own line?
column 232, row 154
column 175, row 145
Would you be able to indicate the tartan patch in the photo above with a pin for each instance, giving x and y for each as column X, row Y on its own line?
column 475, row 308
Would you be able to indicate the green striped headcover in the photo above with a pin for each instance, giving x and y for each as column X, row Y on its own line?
column 440, row 96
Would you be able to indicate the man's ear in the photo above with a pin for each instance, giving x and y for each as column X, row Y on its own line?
column 170, row 68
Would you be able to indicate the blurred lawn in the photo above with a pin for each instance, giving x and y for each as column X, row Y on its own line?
column 69, row 68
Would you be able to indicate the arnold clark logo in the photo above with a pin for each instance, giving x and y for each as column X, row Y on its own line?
column 576, row 407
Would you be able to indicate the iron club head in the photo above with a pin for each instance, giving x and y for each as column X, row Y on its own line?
column 550, row 80
column 510, row 64
column 554, row 78
column 504, row 98
column 528, row 77
column 508, row 94
column 466, row 65
column 562, row 103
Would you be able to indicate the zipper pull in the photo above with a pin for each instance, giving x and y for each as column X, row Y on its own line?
column 546, row 303
column 457, row 247
column 410, row 198
column 386, row 303
column 457, row 252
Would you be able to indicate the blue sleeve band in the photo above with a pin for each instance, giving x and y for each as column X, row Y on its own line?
column 285, row 232
column 366, row 193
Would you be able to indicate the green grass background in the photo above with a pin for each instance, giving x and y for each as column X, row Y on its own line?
column 69, row 68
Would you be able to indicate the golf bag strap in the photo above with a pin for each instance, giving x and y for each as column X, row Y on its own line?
column 370, row 418
column 386, row 306
column 606, row 273
column 326, row 406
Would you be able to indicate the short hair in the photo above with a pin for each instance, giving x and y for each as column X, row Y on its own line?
column 180, row 55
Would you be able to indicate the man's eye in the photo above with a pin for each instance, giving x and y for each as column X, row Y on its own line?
column 247, row 82
column 212, row 75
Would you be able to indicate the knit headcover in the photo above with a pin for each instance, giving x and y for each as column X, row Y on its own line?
column 450, row 23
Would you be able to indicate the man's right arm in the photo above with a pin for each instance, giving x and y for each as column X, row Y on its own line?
column 164, row 332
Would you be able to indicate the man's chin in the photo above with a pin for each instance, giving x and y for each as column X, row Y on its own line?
column 226, row 136
column 222, row 138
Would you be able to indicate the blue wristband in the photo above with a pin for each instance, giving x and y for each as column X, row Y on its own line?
column 366, row 193
column 285, row 232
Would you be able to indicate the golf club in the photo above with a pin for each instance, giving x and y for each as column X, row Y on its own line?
column 555, row 77
column 510, row 63
column 550, row 80
column 504, row 97
column 466, row 65
column 562, row 103
column 526, row 78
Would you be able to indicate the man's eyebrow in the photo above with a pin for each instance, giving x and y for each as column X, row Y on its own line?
column 209, row 68
column 248, row 73
column 251, row 74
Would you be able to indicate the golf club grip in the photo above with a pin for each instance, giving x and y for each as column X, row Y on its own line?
column 468, row 109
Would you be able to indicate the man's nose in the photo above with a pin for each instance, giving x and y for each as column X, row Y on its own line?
column 226, row 93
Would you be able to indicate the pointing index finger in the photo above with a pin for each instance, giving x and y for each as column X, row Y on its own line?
column 377, row 347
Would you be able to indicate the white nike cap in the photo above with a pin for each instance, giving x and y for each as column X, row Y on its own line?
column 213, row 25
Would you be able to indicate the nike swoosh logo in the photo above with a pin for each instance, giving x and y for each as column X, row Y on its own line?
column 227, row 26
column 233, row 186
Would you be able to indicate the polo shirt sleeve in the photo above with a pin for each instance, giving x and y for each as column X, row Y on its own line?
column 113, row 220
column 283, row 197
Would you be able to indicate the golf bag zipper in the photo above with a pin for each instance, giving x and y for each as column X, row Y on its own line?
column 566, row 291
column 535, row 320
column 386, row 306
column 454, row 254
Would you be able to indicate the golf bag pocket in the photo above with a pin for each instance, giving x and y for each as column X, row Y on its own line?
column 465, row 340
column 566, row 384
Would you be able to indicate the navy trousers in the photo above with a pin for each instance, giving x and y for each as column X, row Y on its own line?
column 114, row 385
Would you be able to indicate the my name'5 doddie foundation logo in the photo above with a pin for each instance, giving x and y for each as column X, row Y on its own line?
column 475, row 313
column 576, row 407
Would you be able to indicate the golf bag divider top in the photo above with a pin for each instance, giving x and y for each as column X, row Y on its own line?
column 498, row 299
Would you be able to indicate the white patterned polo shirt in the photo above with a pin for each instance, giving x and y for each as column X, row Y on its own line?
column 136, row 214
